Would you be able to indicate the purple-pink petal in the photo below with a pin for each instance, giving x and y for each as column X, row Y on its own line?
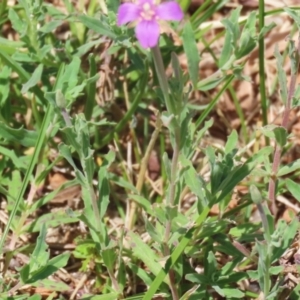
column 147, row 33
column 128, row 12
column 141, row 2
column 169, row 11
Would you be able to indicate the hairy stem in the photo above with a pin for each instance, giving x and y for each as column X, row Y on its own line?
column 170, row 203
column 284, row 124
column 163, row 81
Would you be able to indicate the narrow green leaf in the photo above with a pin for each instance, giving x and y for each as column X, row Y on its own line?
column 143, row 202
column 247, row 40
column 281, row 75
column 34, row 79
column 50, row 268
column 38, row 146
column 50, row 220
column 230, row 293
column 51, row 285
column 240, row 172
column 104, row 190
column 35, row 297
column 231, row 142
column 97, row 26
column 191, row 51
column 109, row 257
column 110, row 296
column 289, row 168
column 294, row 15
column 193, row 180
column 174, row 256
column 142, row 251
column 50, row 26
column 294, row 188
column 5, row 75
column 59, row 261
column 18, row 25
column 40, row 255
column 208, row 84
column 255, row 194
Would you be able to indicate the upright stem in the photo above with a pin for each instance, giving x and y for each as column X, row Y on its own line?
column 262, row 86
column 163, row 81
column 284, row 124
column 170, row 203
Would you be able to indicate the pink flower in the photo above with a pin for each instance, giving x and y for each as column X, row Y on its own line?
column 147, row 14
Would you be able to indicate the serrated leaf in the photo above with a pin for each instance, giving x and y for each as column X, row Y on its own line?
column 18, row 25
column 21, row 136
column 240, row 172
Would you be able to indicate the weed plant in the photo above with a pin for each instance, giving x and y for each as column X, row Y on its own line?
column 109, row 108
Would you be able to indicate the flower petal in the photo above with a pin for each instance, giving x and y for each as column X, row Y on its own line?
column 127, row 12
column 169, row 11
column 141, row 2
column 147, row 33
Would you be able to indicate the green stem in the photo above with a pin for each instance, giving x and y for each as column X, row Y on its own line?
column 175, row 255
column 3, row 8
column 163, row 82
column 262, row 76
column 34, row 159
